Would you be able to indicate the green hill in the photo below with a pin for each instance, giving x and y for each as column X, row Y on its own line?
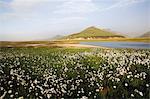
column 147, row 34
column 93, row 33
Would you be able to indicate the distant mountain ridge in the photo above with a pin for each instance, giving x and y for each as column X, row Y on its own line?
column 147, row 34
column 57, row 37
column 92, row 33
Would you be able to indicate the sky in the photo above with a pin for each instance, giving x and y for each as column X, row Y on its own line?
column 43, row 19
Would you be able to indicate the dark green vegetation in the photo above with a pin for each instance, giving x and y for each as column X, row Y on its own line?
column 93, row 33
column 74, row 73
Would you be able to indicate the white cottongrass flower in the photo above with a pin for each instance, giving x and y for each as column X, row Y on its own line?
column 97, row 90
column 90, row 93
column 66, row 69
column 49, row 96
column 79, row 91
column 10, row 91
column 126, row 84
column 141, row 93
column 2, row 96
column 16, row 93
column 35, row 81
column 84, row 97
column 132, row 95
column 1, row 88
column 11, row 96
column 63, row 90
column 147, row 85
column 114, row 87
column 128, row 76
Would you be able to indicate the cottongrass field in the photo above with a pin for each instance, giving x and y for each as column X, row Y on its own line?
column 43, row 73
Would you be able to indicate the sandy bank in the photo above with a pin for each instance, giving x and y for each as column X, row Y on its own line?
column 28, row 44
column 78, row 46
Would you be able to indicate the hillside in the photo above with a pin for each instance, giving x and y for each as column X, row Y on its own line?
column 93, row 33
column 147, row 34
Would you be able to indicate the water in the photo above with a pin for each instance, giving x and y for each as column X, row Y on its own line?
column 140, row 45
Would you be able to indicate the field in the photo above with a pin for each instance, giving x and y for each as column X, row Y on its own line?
column 45, row 72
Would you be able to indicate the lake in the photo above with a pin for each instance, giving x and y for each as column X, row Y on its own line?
column 135, row 45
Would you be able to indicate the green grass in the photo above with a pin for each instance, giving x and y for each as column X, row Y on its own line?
column 102, row 73
column 93, row 32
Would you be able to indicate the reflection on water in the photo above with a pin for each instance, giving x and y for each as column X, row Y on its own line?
column 141, row 45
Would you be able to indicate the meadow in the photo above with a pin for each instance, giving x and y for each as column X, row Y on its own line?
column 74, row 73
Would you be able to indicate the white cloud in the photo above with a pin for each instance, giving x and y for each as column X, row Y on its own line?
column 3, row 4
column 26, row 5
column 69, row 10
column 67, row 20
column 121, row 3
column 25, row 9
column 76, row 6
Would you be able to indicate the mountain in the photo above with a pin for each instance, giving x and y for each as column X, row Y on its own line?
column 147, row 34
column 57, row 37
column 92, row 33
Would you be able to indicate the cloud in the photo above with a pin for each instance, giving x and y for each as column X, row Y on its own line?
column 3, row 4
column 121, row 3
column 61, row 10
column 76, row 7
column 24, row 9
column 26, row 5
column 32, row 8
column 30, row 19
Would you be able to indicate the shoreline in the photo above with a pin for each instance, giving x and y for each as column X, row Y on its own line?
column 79, row 46
column 145, row 40
column 56, row 45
